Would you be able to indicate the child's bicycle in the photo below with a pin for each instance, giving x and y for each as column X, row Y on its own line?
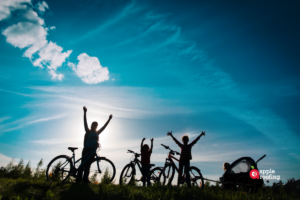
column 62, row 167
column 128, row 173
column 170, row 167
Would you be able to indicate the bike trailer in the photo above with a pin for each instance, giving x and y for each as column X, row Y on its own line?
column 238, row 175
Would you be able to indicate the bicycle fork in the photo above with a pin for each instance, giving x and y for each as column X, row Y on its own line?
column 166, row 164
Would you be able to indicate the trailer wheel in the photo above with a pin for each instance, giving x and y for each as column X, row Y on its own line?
column 245, row 184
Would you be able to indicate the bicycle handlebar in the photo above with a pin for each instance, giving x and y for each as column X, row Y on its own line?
column 167, row 147
column 136, row 154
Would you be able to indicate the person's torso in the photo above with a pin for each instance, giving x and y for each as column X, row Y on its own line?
column 145, row 157
column 186, row 153
column 91, row 139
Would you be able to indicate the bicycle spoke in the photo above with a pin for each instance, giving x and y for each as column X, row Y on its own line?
column 59, row 169
column 157, row 177
column 126, row 175
column 196, row 178
column 102, row 170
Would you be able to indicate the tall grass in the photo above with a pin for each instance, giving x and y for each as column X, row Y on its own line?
column 20, row 171
column 19, row 181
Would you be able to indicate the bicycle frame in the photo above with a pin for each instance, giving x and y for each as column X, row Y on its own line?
column 138, row 163
column 170, row 157
column 134, row 162
column 88, row 155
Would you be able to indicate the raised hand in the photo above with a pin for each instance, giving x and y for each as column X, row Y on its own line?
column 169, row 133
column 152, row 140
column 143, row 139
column 110, row 116
column 84, row 109
column 202, row 133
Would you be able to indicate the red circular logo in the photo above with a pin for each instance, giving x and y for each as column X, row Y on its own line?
column 254, row 174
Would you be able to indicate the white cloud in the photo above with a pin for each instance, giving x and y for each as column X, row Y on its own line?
column 26, row 34
column 41, row 6
column 6, row 6
column 52, row 56
column 31, row 33
column 89, row 69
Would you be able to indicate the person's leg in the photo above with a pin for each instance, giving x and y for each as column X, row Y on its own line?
column 86, row 158
column 144, row 174
column 81, row 167
column 187, row 174
column 148, row 175
column 87, row 172
column 79, row 175
column 180, row 172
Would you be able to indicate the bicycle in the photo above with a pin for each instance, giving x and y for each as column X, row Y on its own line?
column 128, row 173
column 194, row 173
column 62, row 167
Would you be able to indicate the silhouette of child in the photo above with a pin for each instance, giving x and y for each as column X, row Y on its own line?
column 145, row 160
column 226, row 166
column 90, row 145
column 226, row 169
column 186, row 155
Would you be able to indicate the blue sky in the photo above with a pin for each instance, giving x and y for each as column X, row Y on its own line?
column 229, row 68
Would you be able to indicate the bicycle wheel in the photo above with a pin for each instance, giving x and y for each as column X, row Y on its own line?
column 196, row 178
column 126, row 176
column 59, row 168
column 105, row 173
column 157, row 177
column 169, row 172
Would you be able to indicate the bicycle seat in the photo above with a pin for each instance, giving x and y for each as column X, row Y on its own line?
column 72, row 148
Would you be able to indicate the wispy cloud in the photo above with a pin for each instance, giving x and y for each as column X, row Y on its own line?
column 20, row 123
column 127, row 10
column 2, row 119
column 21, row 94
column 46, row 119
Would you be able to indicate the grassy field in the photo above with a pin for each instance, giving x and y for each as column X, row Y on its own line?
column 22, row 182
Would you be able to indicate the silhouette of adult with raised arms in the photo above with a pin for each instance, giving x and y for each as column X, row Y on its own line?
column 186, row 155
column 90, row 145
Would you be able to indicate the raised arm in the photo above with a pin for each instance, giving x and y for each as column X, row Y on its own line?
column 103, row 127
column 86, row 128
column 196, row 140
column 151, row 144
column 176, row 141
column 142, row 143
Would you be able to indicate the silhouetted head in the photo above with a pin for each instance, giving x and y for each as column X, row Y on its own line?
column 185, row 139
column 94, row 126
column 145, row 147
column 226, row 165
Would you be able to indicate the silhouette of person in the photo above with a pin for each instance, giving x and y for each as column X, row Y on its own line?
column 145, row 160
column 90, row 145
column 185, row 155
column 226, row 166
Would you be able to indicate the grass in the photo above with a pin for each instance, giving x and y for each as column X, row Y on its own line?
column 17, row 183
